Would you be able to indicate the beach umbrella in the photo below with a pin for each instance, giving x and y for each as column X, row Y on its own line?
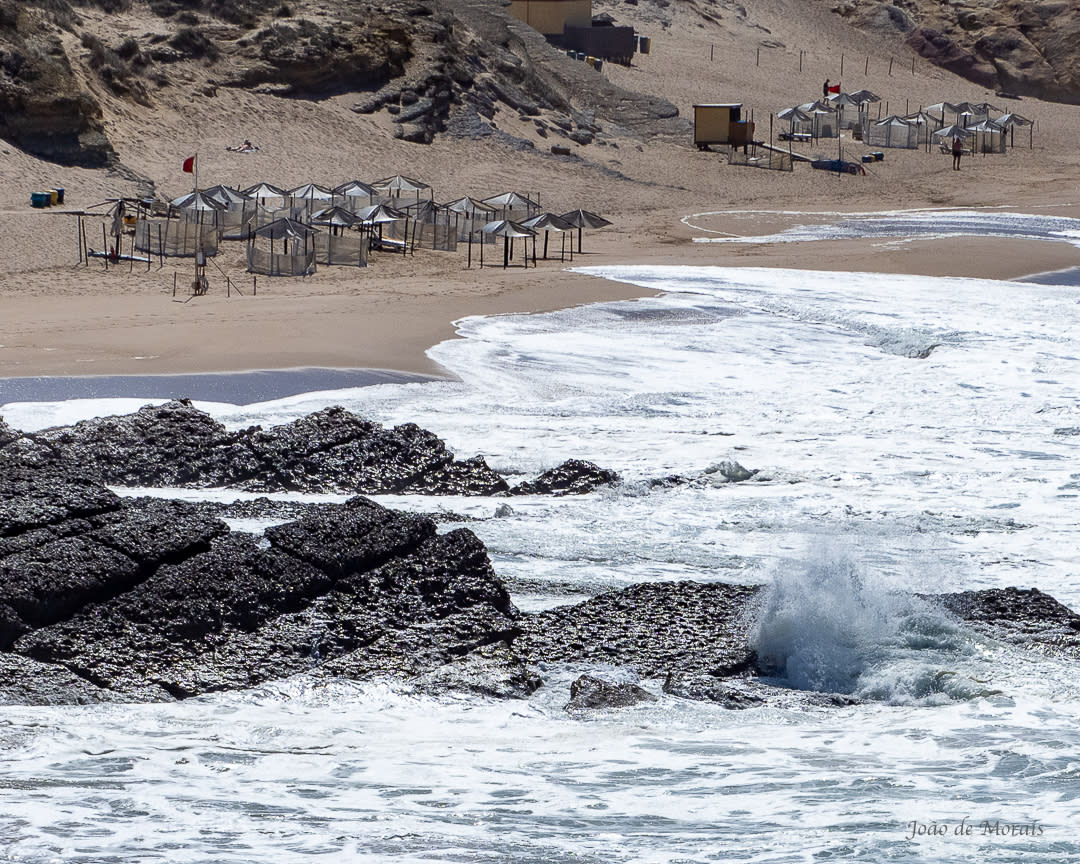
column 509, row 231
column 548, row 222
column 1011, row 121
column 584, row 219
column 509, row 201
column 864, row 97
column 470, row 206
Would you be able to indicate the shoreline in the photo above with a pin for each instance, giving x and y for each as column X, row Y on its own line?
column 64, row 335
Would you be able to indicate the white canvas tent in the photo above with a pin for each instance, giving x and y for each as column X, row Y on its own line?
column 283, row 247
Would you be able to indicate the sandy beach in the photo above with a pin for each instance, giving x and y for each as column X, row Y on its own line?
column 61, row 318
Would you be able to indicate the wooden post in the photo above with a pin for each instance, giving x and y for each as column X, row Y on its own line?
column 712, row 51
column 912, row 67
column 105, row 245
column 800, row 70
column 174, row 283
column 890, row 66
column 841, row 66
column 469, row 258
column 506, row 251
column 866, row 68
column 759, row 55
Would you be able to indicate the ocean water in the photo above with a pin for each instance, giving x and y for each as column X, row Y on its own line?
column 908, row 434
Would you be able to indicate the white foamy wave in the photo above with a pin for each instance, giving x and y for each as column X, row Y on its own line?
column 832, row 626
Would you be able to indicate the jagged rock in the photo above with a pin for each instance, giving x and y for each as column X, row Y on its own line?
column 581, row 136
column 652, row 629
column 731, row 694
column 590, row 693
column 728, row 471
column 151, row 599
column 1025, row 617
column 175, row 444
column 416, row 109
column 945, row 52
column 573, row 477
column 417, row 133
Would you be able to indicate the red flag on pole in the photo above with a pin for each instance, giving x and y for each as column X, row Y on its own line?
column 833, row 88
column 189, row 165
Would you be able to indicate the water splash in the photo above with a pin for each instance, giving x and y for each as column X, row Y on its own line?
column 834, row 627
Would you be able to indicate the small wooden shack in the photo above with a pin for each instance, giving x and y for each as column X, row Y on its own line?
column 551, row 17
column 720, row 123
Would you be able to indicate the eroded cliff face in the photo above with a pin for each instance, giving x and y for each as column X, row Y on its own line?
column 436, row 67
column 44, row 106
column 1018, row 47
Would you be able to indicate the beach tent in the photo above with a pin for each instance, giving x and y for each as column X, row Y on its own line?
column 512, row 206
column 308, row 195
column 1011, row 121
column 335, row 218
column 583, row 219
column 355, row 194
column 799, row 122
column 864, row 97
column 470, row 212
column 548, row 222
column 825, row 124
column 892, row 131
column 394, row 189
column 297, row 255
column 942, row 108
column 384, row 214
column 338, row 245
column 227, row 195
column 841, row 101
column 509, row 231
column 989, row 137
column 262, row 192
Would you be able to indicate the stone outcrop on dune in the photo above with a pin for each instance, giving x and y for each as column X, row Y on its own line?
column 45, row 108
column 1016, row 47
column 435, row 67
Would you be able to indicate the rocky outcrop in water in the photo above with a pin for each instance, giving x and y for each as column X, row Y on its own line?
column 103, row 598
column 573, row 477
column 175, row 444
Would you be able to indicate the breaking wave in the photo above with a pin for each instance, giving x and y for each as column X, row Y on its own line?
column 832, row 627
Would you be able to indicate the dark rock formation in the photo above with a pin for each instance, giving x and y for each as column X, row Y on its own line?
column 945, row 52
column 175, row 444
column 573, row 477
column 650, row 628
column 1024, row 617
column 589, row 693
column 104, row 598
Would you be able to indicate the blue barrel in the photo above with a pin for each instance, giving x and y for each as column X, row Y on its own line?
column 598, row 64
column 646, row 43
column 59, row 195
column 878, row 156
column 580, row 55
column 40, row 199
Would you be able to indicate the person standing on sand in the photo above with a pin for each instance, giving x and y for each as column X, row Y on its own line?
column 957, row 151
column 825, row 89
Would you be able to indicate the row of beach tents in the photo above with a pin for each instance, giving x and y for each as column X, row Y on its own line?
column 290, row 231
column 973, row 122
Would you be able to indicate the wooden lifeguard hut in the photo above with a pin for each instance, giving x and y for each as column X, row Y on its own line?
column 721, row 123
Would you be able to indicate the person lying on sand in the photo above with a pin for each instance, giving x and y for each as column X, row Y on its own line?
column 246, row 147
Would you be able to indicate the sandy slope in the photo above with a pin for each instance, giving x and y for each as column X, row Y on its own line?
column 60, row 318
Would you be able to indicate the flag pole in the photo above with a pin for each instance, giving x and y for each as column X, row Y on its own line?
column 196, row 170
